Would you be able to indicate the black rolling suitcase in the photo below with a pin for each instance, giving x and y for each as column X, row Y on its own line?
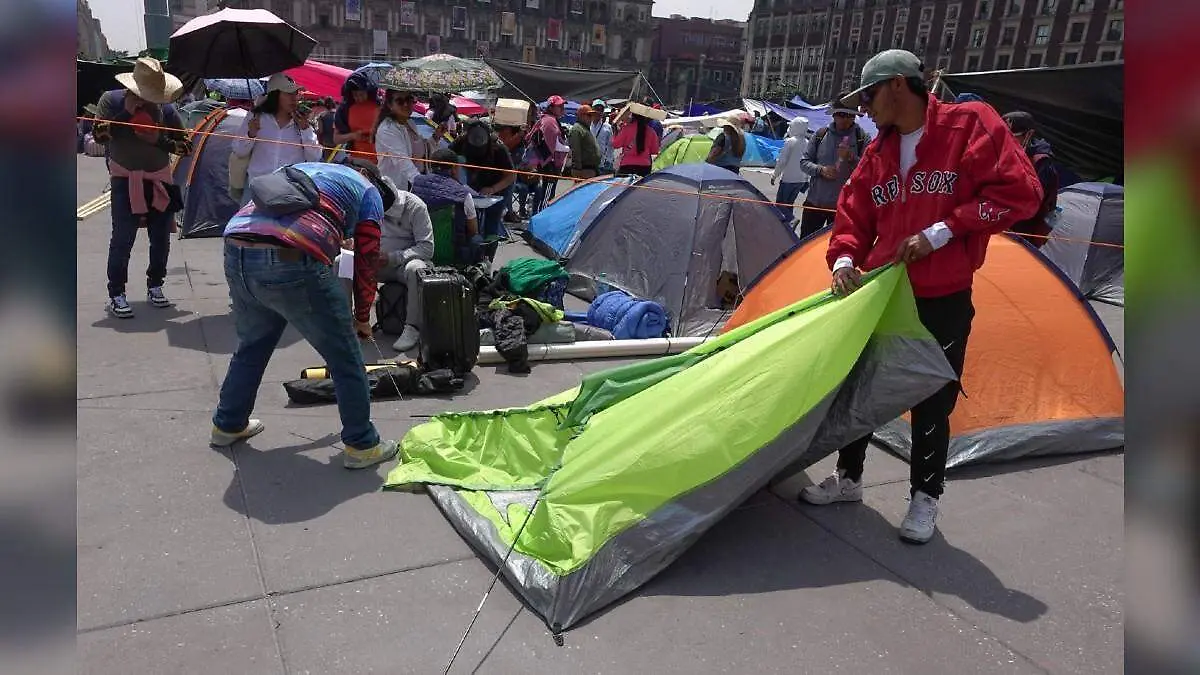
column 450, row 334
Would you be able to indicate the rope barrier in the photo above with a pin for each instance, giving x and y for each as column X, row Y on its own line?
column 520, row 172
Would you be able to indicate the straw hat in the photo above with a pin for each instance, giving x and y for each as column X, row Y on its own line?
column 150, row 82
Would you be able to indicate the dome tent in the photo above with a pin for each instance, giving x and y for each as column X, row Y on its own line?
column 1040, row 376
column 678, row 237
column 203, row 176
column 556, row 229
column 1088, row 238
column 760, row 150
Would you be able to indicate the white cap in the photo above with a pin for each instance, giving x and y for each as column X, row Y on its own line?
column 281, row 82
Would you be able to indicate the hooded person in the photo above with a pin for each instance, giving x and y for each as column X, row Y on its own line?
column 354, row 120
column 789, row 167
column 1023, row 127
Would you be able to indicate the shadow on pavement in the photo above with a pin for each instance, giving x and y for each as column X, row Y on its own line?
column 1024, row 464
column 753, row 551
column 281, row 485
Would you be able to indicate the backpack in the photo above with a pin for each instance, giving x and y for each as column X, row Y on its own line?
column 859, row 134
column 391, row 307
column 284, row 192
column 1038, row 224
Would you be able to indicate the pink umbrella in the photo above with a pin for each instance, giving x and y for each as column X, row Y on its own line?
column 465, row 107
column 320, row 79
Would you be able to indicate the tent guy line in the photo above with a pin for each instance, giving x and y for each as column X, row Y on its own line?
column 598, row 179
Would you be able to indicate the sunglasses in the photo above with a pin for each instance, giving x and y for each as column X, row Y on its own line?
column 403, row 100
column 867, row 95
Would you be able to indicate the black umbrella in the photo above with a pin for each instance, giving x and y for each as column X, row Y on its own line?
column 244, row 43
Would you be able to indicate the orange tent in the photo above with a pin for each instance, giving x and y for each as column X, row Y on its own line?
column 1040, row 375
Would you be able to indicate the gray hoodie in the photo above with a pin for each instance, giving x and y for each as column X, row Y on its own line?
column 824, row 191
column 406, row 231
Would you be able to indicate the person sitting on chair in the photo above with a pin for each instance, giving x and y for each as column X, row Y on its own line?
column 406, row 244
column 441, row 191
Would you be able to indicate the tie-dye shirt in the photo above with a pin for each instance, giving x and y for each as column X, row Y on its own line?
column 346, row 197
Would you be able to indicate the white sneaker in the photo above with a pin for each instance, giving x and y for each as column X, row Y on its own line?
column 918, row 525
column 224, row 439
column 834, row 488
column 408, row 339
column 119, row 307
column 156, row 297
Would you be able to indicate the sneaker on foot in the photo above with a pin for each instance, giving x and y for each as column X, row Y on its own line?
column 408, row 339
column 119, row 307
column 361, row 459
column 155, row 297
column 918, row 525
column 835, row 488
column 224, row 439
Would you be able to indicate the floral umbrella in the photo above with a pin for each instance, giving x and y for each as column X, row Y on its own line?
column 441, row 73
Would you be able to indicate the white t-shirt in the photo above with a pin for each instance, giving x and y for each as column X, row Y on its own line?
column 908, row 151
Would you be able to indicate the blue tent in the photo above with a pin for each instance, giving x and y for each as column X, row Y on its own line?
column 557, row 228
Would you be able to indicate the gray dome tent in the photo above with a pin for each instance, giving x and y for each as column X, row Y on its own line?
column 678, row 235
column 1088, row 239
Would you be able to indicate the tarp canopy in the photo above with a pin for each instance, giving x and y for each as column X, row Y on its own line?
column 646, row 458
column 820, row 117
column 203, row 176
column 555, row 230
column 703, row 121
column 1088, row 240
column 539, row 82
column 674, row 235
column 1040, row 376
column 320, row 79
column 1079, row 109
column 760, row 150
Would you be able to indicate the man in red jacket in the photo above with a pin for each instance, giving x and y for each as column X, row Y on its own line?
column 929, row 192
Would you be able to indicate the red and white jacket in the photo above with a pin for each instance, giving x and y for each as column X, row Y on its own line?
column 970, row 174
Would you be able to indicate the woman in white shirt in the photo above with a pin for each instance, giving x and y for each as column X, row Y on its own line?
column 286, row 134
column 399, row 145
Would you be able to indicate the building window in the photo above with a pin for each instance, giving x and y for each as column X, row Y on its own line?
column 1108, row 55
column 947, row 40
column 1116, row 31
column 877, row 20
column 973, row 63
column 1014, row 8
column 856, row 20
column 922, row 40
column 1075, row 31
column 978, row 36
column 926, row 14
column 1035, row 60
column 1118, row 5
column 1048, row 8
column 1008, row 35
column 483, row 35
column 902, row 16
column 833, row 43
column 1083, row 5
column 1070, row 58
column 898, row 39
column 1002, row 61
column 983, row 10
column 952, row 13
column 323, row 20
column 1041, row 34
column 876, row 38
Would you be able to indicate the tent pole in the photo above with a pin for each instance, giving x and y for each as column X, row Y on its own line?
column 598, row 349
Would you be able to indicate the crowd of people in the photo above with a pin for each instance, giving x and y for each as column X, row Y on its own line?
column 928, row 192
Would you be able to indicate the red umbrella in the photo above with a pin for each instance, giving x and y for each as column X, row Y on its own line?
column 320, row 79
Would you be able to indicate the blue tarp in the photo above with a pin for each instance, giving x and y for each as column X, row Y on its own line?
column 801, row 103
column 698, row 110
column 818, row 118
column 556, row 228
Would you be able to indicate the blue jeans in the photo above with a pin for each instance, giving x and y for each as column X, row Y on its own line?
column 124, row 234
column 788, row 192
column 491, row 219
column 544, row 191
column 269, row 293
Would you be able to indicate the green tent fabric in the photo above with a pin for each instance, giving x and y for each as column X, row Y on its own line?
column 615, row 479
column 685, row 150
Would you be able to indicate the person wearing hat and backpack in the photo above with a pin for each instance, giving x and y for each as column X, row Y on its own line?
column 279, row 265
column 929, row 192
column 829, row 159
column 142, row 130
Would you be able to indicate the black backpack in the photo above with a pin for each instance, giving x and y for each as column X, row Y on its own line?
column 391, row 307
column 859, row 134
column 284, row 192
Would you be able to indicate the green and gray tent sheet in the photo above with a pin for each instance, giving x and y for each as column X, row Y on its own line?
column 614, row 480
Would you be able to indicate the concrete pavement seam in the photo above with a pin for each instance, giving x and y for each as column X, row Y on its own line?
column 833, row 533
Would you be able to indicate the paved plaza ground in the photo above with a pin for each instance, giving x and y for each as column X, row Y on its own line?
column 271, row 558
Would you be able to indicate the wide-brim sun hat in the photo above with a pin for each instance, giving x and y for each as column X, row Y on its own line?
column 150, row 82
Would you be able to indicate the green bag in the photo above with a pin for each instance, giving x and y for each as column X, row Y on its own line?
column 528, row 275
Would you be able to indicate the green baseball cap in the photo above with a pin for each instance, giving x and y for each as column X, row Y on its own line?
column 882, row 67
